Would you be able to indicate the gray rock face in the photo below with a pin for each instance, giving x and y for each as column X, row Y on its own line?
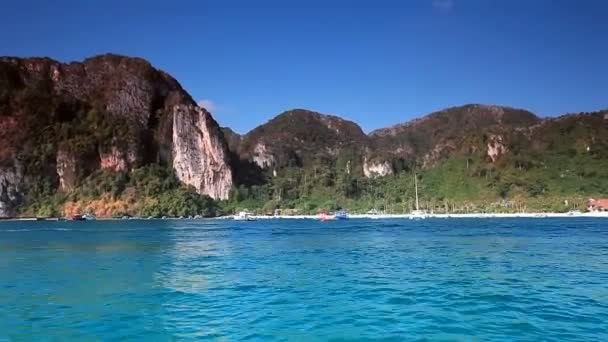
column 376, row 169
column 10, row 183
column 200, row 155
column 66, row 170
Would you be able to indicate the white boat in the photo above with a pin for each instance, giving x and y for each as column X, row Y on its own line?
column 243, row 216
column 417, row 214
column 89, row 217
column 373, row 214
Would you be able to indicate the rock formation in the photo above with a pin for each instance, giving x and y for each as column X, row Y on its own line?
column 107, row 112
column 376, row 169
column 10, row 183
column 200, row 156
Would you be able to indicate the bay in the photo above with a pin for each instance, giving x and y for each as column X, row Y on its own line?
column 303, row 280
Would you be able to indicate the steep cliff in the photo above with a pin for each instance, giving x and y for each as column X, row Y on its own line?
column 200, row 157
column 10, row 192
column 64, row 121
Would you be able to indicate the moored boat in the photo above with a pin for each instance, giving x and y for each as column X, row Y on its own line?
column 341, row 215
column 243, row 216
column 417, row 214
column 89, row 217
column 373, row 214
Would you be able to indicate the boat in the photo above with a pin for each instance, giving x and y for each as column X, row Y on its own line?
column 89, row 217
column 340, row 215
column 243, row 216
column 417, row 214
column 373, row 214
column 77, row 218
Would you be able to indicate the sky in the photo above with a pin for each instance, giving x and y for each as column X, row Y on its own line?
column 376, row 62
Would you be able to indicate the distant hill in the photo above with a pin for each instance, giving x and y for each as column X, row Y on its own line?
column 302, row 138
column 471, row 153
column 462, row 129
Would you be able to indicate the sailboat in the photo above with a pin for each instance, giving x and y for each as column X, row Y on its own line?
column 417, row 214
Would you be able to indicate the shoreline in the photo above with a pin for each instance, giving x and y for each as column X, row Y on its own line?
column 431, row 216
column 350, row 216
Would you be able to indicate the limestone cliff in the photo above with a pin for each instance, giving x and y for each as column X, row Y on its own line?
column 200, row 155
column 10, row 182
column 376, row 169
column 108, row 112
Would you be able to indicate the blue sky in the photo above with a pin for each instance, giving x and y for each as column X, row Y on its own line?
column 374, row 62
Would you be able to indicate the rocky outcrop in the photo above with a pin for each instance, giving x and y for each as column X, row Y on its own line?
column 376, row 169
column 261, row 157
column 200, row 155
column 66, row 170
column 10, row 193
column 118, row 158
column 496, row 147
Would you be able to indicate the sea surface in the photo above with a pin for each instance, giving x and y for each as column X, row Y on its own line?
column 300, row 280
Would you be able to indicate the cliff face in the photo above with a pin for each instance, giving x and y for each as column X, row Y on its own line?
column 200, row 157
column 10, row 192
column 64, row 121
column 377, row 169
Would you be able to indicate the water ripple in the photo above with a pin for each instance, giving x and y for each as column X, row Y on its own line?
column 394, row 280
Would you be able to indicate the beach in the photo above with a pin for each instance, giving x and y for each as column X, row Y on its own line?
column 431, row 215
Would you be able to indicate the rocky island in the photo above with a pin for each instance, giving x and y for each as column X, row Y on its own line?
column 112, row 135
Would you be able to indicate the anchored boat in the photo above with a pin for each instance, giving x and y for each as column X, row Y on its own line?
column 341, row 215
column 417, row 214
column 243, row 216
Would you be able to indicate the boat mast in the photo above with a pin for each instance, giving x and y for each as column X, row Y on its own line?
column 416, row 185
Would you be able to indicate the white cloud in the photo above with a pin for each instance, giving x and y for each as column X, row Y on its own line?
column 443, row 5
column 209, row 105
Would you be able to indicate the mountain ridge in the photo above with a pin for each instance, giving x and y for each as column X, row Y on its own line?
column 115, row 127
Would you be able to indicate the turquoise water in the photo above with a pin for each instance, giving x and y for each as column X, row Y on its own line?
column 456, row 279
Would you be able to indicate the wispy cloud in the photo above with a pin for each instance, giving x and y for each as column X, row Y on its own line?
column 209, row 105
column 443, row 5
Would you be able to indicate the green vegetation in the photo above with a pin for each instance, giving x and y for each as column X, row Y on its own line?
column 553, row 182
column 317, row 163
column 545, row 165
column 147, row 191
